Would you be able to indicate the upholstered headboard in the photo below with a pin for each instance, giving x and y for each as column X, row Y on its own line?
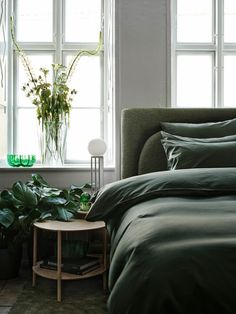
column 141, row 150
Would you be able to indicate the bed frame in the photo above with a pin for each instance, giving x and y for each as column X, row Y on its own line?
column 141, row 150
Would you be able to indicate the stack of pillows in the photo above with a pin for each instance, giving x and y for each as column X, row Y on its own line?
column 202, row 145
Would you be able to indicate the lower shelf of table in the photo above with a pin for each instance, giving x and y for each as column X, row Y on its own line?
column 52, row 274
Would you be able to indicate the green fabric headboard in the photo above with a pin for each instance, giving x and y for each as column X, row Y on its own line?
column 141, row 150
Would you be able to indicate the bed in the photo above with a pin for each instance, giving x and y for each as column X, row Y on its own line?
column 172, row 216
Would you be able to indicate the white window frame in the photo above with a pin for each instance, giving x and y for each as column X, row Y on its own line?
column 59, row 50
column 217, row 48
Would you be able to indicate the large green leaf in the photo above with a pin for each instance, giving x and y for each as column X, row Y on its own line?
column 6, row 199
column 70, row 196
column 54, row 200
column 84, row 186
column 78, row 190
column 38, row 180
column 72, row 205
column 42, row 192
column 63, row 214
column 75, row 192
column 6, row 217
column 45, row 191
column 28, row 219
column 45, row 215
column 65, row 193
column 23, row 196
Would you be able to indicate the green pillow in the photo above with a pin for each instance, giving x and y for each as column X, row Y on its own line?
column 199, row 154
column 202, row 130
column 168, row 136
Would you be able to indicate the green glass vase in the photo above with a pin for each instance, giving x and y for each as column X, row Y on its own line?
column 15, row 160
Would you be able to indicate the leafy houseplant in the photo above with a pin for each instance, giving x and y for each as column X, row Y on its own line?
column 52, row 99
column 28, row 202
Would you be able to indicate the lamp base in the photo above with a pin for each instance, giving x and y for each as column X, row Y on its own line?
column 97, row 173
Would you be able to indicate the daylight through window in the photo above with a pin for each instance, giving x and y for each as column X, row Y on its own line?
column 204, row 53
column 51, row 32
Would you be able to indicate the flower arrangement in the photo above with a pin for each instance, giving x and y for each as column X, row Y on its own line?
column 52, row 99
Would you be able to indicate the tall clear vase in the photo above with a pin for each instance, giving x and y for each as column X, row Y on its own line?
column 52, row 138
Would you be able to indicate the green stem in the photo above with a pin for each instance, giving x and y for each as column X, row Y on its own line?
column 85, row 53
column 20, row 52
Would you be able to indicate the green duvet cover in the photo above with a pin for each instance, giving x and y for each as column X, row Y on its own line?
column 173, row 242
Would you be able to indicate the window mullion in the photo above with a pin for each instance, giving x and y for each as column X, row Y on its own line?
column 219, row 53
column 58, row 17
column 37, row 46
column 10, row 79
column 173, row 8
column 195, row 47
column 103, row 74
column 214, row 61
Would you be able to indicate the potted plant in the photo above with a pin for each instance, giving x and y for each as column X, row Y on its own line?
column 13, row 228
column 24, row 204
column 10, row 244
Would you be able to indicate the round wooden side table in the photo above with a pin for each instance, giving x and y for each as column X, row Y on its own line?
column 76, row 225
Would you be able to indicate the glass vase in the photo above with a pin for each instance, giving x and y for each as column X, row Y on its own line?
column 52, row 138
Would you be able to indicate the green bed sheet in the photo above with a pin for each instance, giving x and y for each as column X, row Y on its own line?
column 173, row 242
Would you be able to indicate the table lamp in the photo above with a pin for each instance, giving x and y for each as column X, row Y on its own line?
column 97, row 148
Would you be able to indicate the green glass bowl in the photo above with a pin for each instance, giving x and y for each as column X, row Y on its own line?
column 15, row 160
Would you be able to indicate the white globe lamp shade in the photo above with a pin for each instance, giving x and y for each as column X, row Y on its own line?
column 97, row 147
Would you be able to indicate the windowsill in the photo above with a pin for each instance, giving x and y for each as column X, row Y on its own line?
column 52, row 169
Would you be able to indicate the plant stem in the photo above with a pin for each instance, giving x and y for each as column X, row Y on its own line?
column 85, row 53
column 19, row 50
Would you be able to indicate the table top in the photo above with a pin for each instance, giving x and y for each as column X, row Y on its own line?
column 73, row 225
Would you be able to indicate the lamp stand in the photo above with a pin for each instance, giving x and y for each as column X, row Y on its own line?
column 97, row 174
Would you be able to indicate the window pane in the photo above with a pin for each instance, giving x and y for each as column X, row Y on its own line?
column 230, row 21
column 35, row 20
column 83, row 20
column 3, row 132
column 86, row 79
column 229, row 81
column 194, row 21
column 27, row 132
column 37, row 61
column 84, row 126
column 194, row 80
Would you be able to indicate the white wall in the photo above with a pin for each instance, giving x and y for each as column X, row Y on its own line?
column 142, row 52
column 142, row 57
column 61, row 179
column 141, row 76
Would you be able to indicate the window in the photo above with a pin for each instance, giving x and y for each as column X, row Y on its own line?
column 3, row 122
column 52, row 31
column 204, row 53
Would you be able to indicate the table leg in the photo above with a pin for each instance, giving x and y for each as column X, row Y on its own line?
column 59, row 266
column 34, row 255
column 105, row 258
